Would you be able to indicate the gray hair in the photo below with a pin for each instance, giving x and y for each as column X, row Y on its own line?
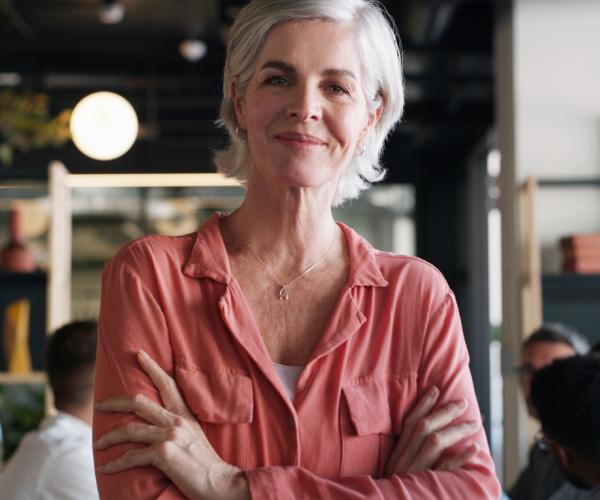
column 381, row 62
column 560, row 333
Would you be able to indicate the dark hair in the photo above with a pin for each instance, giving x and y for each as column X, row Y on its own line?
column 558, row 332
column 70, row 361
column 566, row 395
column 595, row 348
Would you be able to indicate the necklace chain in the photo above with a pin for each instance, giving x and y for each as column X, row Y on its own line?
column 283, row 290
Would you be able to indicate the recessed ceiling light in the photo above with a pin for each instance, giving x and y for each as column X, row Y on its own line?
column 192, row 49
column 111, row 12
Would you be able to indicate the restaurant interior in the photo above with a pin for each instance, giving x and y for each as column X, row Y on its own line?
column 491, row 175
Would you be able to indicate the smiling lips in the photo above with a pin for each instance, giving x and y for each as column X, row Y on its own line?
column 301, row 141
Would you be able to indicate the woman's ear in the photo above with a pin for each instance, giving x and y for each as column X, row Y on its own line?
column 373, row 118
column 238, row 104
column 375, row 115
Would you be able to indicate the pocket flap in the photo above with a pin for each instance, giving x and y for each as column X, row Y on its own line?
column 377, row 403
column 219, row 396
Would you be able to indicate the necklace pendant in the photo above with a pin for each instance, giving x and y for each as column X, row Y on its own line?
column 283, row 293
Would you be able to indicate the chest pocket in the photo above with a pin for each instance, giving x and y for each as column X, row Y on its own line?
column 222, row 401
column 371, row 419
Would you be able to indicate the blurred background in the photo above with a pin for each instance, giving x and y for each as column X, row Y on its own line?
column 492, row 176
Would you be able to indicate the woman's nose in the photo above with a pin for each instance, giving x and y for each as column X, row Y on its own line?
column 305, row 104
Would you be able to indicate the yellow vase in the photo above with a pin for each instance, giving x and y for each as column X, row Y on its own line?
column 16, row 337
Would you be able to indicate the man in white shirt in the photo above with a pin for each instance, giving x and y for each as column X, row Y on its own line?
column 55, row 461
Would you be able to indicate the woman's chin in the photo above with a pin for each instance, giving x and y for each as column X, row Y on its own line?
column 306, row 179
column 300, row 173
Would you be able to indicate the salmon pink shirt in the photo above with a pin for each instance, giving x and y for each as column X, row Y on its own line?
column 394, row 333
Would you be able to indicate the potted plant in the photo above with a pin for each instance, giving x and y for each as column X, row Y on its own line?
column 26, row 123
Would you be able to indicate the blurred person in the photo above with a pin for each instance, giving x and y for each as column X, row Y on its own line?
column 542, row 476
column 55, row 462
column 276, row 353
column 566, row 396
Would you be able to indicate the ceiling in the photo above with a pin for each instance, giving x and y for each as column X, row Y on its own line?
column 60, row 47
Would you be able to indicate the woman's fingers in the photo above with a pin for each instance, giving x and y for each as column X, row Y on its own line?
column 133, row 458
column 426, row 427
column 166, row 426
column 421, row 409
column 139, row 405
column 438, row 442
column 134, row 432
column 459, row 460
column 169, row 393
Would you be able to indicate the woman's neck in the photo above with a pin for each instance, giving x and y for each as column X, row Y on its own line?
column 289, row 229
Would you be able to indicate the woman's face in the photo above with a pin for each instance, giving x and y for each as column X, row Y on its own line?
column 304, row 110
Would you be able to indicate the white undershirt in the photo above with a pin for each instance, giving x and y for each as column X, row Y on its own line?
column 289, row 376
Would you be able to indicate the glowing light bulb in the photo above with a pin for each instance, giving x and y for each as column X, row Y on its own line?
column 104, row 125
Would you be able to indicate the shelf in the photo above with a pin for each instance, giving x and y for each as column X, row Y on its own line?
column 22, row 378
column 569, row 182
column 36, row 277
column 571, row 286
column 573, row 299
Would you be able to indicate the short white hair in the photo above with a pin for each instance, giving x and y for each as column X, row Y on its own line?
column 381, row 63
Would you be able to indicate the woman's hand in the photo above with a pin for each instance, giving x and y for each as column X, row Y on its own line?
column 426, row 435
column 177, row 443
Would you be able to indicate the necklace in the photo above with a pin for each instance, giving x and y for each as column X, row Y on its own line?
column 283, row 290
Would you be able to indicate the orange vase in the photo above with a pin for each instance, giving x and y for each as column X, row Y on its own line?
column 16, row 256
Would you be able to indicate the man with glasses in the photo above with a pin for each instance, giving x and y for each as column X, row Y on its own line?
column 542, row 476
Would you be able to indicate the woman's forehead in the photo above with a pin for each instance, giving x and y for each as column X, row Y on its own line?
column 320, row 45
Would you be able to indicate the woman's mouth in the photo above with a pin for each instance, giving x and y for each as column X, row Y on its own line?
column 300, row 141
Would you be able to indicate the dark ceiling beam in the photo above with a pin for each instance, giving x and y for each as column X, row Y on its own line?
column 425, row 23
column 440, row 18
column 198, row 16
column 15, row 19
column 123, row 48
column 419, row 62
column 68, row 81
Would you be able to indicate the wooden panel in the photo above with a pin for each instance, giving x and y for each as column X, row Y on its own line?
column 59, row 246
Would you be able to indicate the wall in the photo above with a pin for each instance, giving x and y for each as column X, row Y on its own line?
column 557, row 112
column 547, row 62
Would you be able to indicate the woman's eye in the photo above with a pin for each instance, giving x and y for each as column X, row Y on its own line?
column 337, row 89
column 275, row 80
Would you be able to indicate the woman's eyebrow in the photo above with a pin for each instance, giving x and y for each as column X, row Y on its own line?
column 288, row 68
column 339, row 72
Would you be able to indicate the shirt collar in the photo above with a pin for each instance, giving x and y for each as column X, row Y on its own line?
column 75, row 424
column 208, row 258
column 364, row 270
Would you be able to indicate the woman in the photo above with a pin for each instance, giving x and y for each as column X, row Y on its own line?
column 284, row 357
